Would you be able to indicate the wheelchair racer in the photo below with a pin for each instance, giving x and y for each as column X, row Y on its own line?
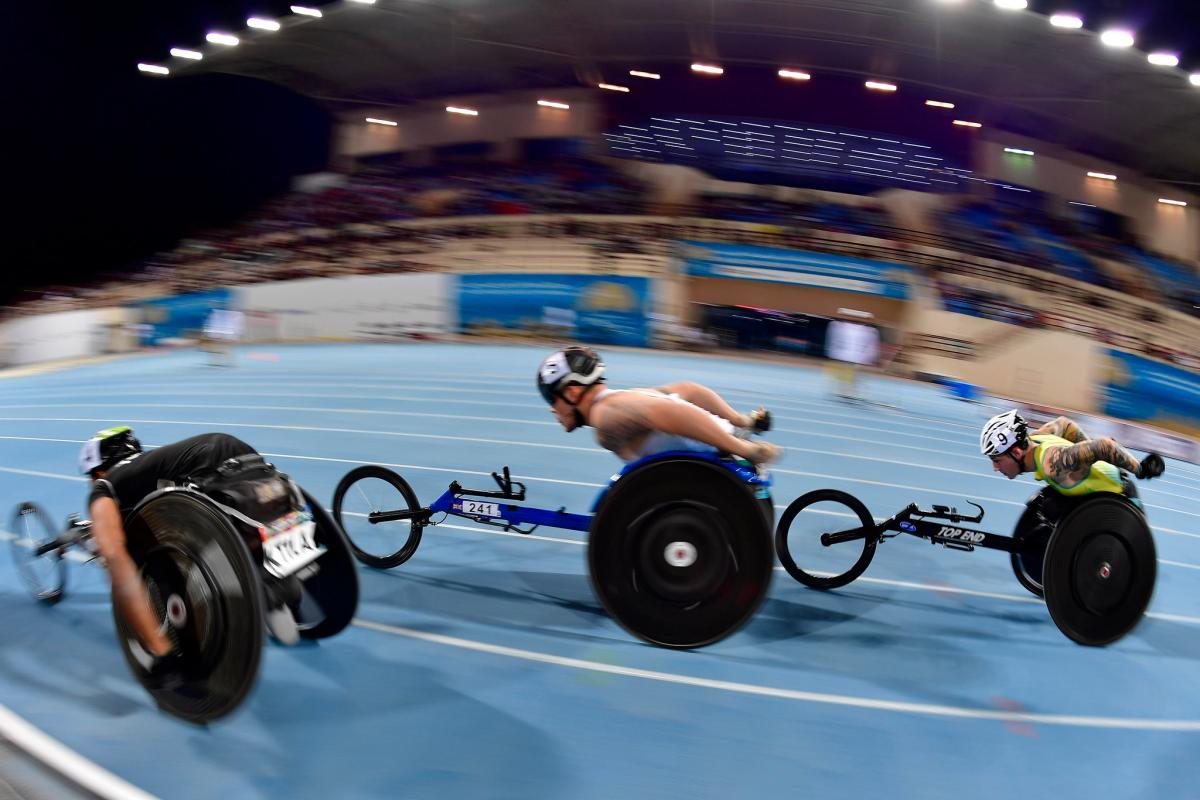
column 635, row 423
column 122, row 475
column 1061, row 454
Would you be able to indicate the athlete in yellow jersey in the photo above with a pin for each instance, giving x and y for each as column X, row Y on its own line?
column 1063, row 456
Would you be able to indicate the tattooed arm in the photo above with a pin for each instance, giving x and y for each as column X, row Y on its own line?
column 1064, row 428
column 1072, row 463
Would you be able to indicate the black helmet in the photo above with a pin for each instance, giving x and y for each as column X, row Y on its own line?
column 109, row 446
column 576, row 365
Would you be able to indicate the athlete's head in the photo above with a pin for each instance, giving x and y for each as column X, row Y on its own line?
column 107, row 448
column 1005, row 440
column 565, row 377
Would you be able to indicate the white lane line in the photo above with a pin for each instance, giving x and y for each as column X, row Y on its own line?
column 1120, row 723
column 1179, row 564
column 65, row 761
column 322, row 410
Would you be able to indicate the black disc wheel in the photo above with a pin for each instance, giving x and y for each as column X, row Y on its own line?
column 42, row 568
column 1030, row 537
column 363, row 494
column 1100, row 570
column 679, row 553
column 206, row 591
column 809, row 517
column 329, row 584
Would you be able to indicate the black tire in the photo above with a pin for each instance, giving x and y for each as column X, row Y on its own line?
column 44, row 575
column 1031, row 536
column 825, row 567
column 383, row 545
column 1100, row 570
column 679, row 552
column 202, row 578
column 333, row 587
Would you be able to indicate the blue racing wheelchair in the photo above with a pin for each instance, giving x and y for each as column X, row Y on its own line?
column 679, row 546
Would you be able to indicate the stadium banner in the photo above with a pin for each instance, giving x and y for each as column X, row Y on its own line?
column 601, row 310
column 797, row 267
column 1159, row 394
column 356, row 307
column 178, row 319
column 65, row 334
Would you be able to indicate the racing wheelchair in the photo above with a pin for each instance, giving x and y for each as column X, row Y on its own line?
column 1092, row 558
column 679, row 547
column 211, row 569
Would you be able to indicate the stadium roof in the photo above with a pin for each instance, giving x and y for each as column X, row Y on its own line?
column 1015, row 70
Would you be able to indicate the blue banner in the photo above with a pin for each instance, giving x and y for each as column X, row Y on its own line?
column 600, row 310
column 774, row 265
column 1150, row 391
column 179, row 317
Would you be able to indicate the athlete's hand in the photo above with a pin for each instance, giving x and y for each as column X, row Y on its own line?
column 1151, row 467
column 765, row 452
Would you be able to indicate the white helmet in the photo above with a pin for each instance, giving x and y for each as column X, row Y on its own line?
column 1001, row 433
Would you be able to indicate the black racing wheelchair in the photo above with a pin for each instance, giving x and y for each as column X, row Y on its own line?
column 679, row 544
column 1092, row 558
column 211, row 568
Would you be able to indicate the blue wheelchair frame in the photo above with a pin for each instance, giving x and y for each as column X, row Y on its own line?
column 454, row 501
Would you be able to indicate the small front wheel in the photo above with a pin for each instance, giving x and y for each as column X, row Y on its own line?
column 371, row 490
column 798, row 539
column 43, row 570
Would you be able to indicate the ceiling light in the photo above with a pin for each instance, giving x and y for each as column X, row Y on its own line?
column 1163, row 59
column 553, row 104
column 306, row 11
column 365, row 2
column 939, row 104
column 376, row 121
column 1167, row 202
column 1104, row 176
column 222, row 38
column 1194, row 78
column 708, row 69
column 794, row 74
column 1012, row 5
column 1076, row 203
column 262, row 24
column 1066, row 21
column 880, row 86
column 965, row 124
column 613, row 87
column 637, row 73
column 1117, row 38
column 153, row 69
column 1019, row 151
column 179, row 52
column 470, row 112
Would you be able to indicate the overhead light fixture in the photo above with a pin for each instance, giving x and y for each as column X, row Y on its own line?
column 1194, row 78
column 880, row 86
column 222, row 38
column 637, row 73
column 305, row 11
column 262, row 24
column 553, row 104
column 939, row 104
column 1163, row 59
column 1104, row 176
column 1117, row 38
column 708, row 69
column 179, row 52
column 1012, row 5
column 1066, row 21
column 612, row 87
column 1077, row 203
column 1019, row 151
column 364, row 2
column 1167, row 202
column 376, row 121
column 470, row 112
column 794, row 74
column 962, row 123
column 153, row 69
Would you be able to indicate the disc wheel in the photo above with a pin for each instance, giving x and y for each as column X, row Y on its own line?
column 330, row 584
column 206, row 590
column 45, row 575
column 679, row 553
column 1030, row 536
column 1100, row 570
column 798, row 539
column 371, row 489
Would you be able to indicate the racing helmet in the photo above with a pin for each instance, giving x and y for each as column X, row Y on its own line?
column 1001, row 433
column 108, row 447
column 575, row 365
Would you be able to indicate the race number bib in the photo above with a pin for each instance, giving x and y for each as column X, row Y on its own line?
column 289, row 543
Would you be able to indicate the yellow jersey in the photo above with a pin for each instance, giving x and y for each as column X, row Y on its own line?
column 1102, row 477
